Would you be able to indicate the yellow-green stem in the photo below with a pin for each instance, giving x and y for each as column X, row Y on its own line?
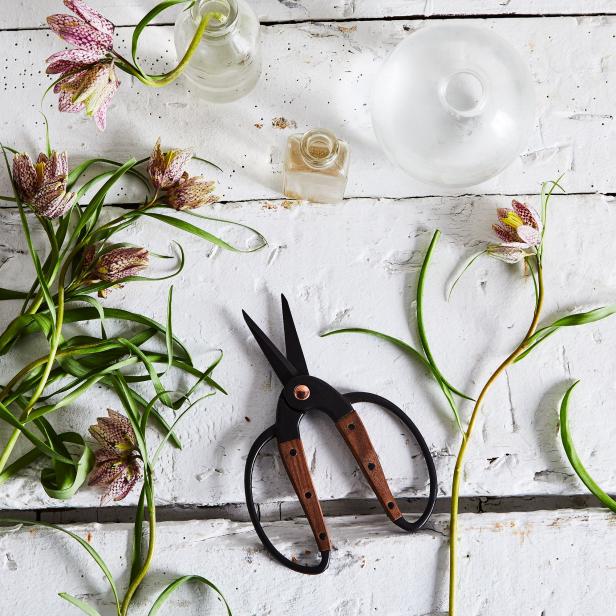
column 455, row 489
column 159, row 81
column 146, row 563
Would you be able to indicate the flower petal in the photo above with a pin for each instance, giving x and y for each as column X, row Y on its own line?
column 529, row 235
column 506, row 234
column 24, row 176
column 79, row 33
column 70, row 59
column 528, row 214
column 88, row 14
column 508, row 254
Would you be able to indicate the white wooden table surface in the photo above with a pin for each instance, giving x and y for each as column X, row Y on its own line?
column 352, row 264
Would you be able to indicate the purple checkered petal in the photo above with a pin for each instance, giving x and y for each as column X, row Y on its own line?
column 24, row 176
column 506, row 234
column 71, row 59
column 528, row 214
column 79, row 33
column 88, row 14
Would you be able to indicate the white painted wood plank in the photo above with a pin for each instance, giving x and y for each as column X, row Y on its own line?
column 321, row 74
column 32, row 15
column 356, row 264
column 557, row 563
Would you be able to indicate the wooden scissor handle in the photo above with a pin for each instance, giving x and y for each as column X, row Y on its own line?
column 294, row 460
column 356, row 436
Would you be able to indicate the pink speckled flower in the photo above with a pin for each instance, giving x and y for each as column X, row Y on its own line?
column 117, row 461
column 91, row 89
column 43, row 185
column 89, row 31
column 166, row 168
column 521, row 223
column 190, row 193
column 119, row 263
column 520, row 230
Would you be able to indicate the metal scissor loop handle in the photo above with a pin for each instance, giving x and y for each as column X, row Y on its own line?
column 361, row 396
column 263, row 439
column 401, row 522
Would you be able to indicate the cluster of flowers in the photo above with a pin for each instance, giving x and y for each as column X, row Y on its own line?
column 43, row 187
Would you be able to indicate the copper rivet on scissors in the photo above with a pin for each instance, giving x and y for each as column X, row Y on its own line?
column 301, row 392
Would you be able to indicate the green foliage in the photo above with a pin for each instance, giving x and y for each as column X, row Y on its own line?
column 574, row 459
column 63, row 292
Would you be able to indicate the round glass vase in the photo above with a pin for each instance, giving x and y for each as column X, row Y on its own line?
column 227, row 62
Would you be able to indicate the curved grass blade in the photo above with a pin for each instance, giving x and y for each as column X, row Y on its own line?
column 576, row 463
column 64, row 486
column 22, row 462
column 43, row 447
column 194, row 230
column 82, row 542
column 136, row 563
column 572, row 320
column 465, row 266
column 162, row 598
column 420, row 322
column 82, row 605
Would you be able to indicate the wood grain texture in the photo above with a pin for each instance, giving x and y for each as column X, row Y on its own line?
column 322, row 74
column 25, row 14
column 294, row 460
column 558, row 563
column 356, row 264
column 356, row 437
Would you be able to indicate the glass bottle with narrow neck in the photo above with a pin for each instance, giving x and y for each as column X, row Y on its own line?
column 227, row 63
column 316, row 167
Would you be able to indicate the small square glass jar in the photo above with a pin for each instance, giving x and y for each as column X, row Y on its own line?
column 316, row 167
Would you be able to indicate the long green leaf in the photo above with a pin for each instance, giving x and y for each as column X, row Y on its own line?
column 162, row 598
column 82, row 605
column 7, row 416
column 6, row 294
column 194, row 230
column 572, row 320
column 576, row 463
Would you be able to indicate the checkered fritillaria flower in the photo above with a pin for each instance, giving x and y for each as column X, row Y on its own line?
column 88, row 89
column 520, row 229
column 166, row 168
column 117, row 466
column 42, row 185
column 191, row 192
column 88, row 80
column 119, row 263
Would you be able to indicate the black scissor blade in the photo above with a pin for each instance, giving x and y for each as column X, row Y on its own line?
column 292, row 345
column 283, row 368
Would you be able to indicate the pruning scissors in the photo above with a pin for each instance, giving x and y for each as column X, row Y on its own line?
column 302, row 394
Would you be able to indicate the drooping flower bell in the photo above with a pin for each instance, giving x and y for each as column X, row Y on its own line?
column 90, row 89
column 88, row 78
column 191, row 192
column 119, row 263
column 42, row 185
column 166, row 168
column 116, row 466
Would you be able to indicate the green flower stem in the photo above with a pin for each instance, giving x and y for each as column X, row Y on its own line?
column 149, row 556
column 53, row 349
column 159, row 81
column 455, row 490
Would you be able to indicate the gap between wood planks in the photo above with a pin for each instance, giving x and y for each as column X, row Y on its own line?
column 350, row 19
column 271, row 512
column 133, row 206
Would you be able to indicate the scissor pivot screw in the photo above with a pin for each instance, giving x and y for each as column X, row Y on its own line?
column 301, row 392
